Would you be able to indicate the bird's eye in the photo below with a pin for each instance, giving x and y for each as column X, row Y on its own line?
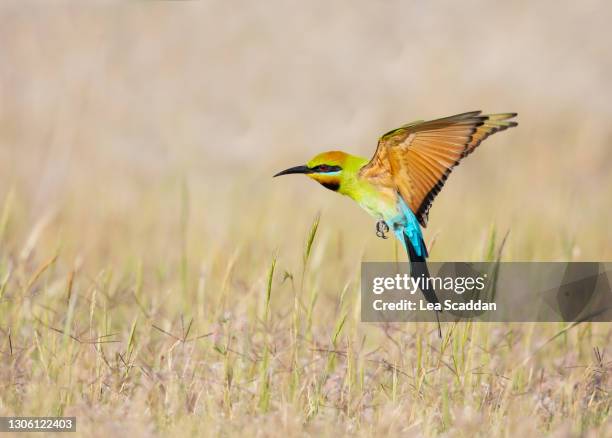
column 323, row 168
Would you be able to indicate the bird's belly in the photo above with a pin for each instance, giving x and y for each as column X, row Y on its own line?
column 380, row 207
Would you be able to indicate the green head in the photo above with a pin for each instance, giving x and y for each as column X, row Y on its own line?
column 333, row 170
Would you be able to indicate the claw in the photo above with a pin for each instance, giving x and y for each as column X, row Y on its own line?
column 381, row 229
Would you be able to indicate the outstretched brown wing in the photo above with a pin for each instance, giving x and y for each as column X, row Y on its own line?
column 418, row 157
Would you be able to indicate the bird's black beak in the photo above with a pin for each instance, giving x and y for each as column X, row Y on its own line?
column 296, row 169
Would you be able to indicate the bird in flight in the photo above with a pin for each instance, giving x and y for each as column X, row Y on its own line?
column 410, row 166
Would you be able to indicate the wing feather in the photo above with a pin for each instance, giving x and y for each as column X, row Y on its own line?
column 417, row 158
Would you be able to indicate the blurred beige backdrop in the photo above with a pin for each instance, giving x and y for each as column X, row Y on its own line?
column 113, row 114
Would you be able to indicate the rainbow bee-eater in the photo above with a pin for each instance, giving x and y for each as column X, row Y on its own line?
column 410, row 166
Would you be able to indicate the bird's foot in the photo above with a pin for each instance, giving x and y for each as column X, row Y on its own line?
column 381, row 229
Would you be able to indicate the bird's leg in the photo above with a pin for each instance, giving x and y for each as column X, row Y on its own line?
column 381, row 229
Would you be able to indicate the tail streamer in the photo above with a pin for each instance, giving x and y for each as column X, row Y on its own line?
column 418, row 268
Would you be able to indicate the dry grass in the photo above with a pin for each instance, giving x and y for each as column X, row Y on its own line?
column 239, row 342
column 154, row 280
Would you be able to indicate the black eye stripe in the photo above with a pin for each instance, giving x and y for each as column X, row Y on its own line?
column 325, row 168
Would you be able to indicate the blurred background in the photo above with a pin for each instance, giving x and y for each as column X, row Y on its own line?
column 128, row 121
column 155, row 277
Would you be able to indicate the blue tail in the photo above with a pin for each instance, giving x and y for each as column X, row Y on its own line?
column 408, row 231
